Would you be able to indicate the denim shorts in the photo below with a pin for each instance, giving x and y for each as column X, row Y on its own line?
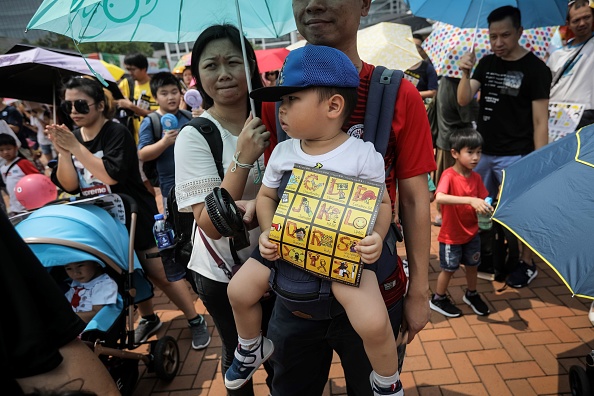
column 451, row 256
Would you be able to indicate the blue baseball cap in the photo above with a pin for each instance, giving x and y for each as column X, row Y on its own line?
column 311, row 66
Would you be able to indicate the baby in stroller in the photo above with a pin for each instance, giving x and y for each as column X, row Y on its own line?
column 90, row 290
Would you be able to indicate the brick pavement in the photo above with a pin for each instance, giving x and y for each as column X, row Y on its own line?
column 524, row 347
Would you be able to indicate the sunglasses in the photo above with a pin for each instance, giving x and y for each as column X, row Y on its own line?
column 80, row 105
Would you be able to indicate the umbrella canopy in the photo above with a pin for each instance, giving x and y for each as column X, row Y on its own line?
column 547, row 200
column 159, row 20
column 182, row 63
column 271, row 59
column 467, row 13
column 388, row 44
column 446, row 45
column 37, row 74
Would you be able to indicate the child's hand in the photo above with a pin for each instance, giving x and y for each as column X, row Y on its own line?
column 370, row 248
column 170, row 136
column 480, row 206
column 268, row 249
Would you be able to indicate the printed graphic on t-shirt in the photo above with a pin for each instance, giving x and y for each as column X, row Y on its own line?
column 413, row 77
column 88, row 183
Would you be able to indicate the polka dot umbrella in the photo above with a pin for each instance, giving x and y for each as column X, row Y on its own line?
column 446, row 45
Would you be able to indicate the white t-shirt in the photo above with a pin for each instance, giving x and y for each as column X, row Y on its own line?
column 195, row 177
column 576, row 85
column 99, row 291
column 352, row 158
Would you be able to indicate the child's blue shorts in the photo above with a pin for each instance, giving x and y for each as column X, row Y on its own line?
column 451, row 256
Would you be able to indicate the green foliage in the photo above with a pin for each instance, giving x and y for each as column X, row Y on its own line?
column 59, row 41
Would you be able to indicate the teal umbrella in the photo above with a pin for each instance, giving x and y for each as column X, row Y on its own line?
column 164, row 21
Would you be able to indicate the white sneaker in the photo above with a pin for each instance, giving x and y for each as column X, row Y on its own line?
column 591, row 313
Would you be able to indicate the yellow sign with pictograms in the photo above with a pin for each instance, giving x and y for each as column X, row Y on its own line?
column 321, row 217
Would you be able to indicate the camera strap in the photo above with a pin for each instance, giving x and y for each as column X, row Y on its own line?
column 220, row 262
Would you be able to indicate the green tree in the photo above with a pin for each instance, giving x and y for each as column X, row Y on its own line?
column 58, row 41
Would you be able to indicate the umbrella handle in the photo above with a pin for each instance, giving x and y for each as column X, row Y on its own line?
column 246, row 64
column 476, row 26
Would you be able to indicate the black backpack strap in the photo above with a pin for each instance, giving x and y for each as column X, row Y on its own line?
column 131, row 86
column 186, row 113
column 156, row 124
column 213, row 137
column 379, row 113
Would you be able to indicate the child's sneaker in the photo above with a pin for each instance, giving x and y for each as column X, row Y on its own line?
column 146, row 328
column 476, row 303
column 245, row 363
column 522, row 275
column 200, row 334
column 591, row 313
column 393, row 390
column 445, row 307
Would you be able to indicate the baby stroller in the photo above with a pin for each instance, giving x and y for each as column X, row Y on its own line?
column 94, row 229
column 581, row 381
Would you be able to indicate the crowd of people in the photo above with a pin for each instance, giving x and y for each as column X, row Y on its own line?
column 487, row 120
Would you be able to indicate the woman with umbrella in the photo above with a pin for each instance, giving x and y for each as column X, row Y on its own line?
column 218, row 67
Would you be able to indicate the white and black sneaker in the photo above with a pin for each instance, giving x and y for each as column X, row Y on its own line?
column 476, row 303
column 444, row 306
column 522, row 275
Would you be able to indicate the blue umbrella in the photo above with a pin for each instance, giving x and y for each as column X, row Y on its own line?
column 473, row 13
column 547, row 201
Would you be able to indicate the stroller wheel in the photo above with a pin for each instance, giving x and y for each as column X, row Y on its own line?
column 166, row 358
column 578, row 381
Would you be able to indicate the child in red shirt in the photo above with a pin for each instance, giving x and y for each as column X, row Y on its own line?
column 461, row 194
column 13, row 170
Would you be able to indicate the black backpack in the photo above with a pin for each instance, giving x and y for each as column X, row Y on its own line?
column 150, row 167
column 125, row 116
column 308, row 296
column 182, row 222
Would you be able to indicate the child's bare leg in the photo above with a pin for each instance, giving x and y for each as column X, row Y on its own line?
column 367, row 313
column 443, row 280
column 245, row 289
column 471, row 276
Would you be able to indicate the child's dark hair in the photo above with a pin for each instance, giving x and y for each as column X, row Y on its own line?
column 137, row 60
column 231, row 33
column 465, row 138
column 93, row 88
column 7, row 140
column 510, row 12
column 161, row 79
column 349, row 95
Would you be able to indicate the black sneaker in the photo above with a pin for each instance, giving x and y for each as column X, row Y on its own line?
column 200, row 334
column 146, row 328
column 522, row 275
column 445, row 307
column 476, row 303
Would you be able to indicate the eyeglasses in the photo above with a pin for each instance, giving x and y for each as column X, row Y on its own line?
column 80, row 105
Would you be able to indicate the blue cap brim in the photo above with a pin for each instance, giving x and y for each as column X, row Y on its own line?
column 273, row 94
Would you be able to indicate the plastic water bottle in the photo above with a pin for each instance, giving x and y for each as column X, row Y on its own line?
column 164, row 235
column 168, row 122
column 484, row 221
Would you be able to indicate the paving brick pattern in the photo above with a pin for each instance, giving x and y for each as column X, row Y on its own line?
column 526, row 346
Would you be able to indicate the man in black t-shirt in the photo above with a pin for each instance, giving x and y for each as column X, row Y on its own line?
column 513, row 108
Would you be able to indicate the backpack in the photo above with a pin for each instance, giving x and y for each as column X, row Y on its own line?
column 150, row 167
column 310, row 297
column 125, row 116
column 182, row 222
